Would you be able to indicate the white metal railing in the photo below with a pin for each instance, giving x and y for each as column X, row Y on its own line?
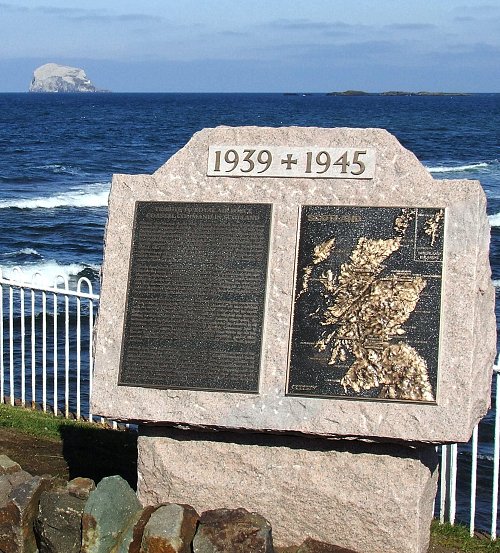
column 35, row 354
column 449, row 469
column 51, row 365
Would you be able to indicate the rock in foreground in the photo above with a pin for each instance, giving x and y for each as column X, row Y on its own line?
column 52, row 77
column 233, row 531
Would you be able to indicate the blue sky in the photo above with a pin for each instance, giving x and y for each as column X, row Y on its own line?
column 256, row 45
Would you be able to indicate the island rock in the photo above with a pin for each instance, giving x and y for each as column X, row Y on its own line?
column 52, row 77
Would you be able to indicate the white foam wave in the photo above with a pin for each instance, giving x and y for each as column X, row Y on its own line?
column 458, row 168
column 60, row 168
column 22, row 251
column 28, row 251
column 494, row 220
column 44, row 273
column 485, row 457
column 91, row 196
column 496, row 283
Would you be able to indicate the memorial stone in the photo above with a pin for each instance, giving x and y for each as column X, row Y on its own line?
column 302, row 281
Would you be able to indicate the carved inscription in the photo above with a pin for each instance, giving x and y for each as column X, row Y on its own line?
column 367, row 303
column 303, row 162
column 196, row 294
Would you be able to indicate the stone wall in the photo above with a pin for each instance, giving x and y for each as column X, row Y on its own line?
column 42, row 514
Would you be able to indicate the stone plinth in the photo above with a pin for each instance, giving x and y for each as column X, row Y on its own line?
column 371, row 498
column 461, row 391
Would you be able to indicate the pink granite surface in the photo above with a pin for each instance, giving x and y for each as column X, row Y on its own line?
column 467, row 345
column 372, row 498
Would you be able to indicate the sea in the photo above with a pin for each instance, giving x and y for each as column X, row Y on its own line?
column 58, row 153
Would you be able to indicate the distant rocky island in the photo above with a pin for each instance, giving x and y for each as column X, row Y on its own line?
column 394, row 93
column 387, row 93
column 53, row 77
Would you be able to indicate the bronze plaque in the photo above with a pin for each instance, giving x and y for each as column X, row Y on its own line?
column 196, row 295
column 367, row 303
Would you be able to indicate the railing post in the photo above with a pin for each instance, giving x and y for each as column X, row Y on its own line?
column 66, row 351
column 448, row 490
column 23, row 348
column 44, row 351
column 2, row 367
column 473, row 482
column 11, row 345
column 87, row 282
column 444, row 483
column 496, row 454
column 452, row 482
column 56, row 338
column 91, row 348
column 33, row 350
column 78, row 357
column 18, row 275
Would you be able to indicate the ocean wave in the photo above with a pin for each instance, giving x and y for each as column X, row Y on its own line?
column 458, row 168
column 29, row 251
column 59, row 168
column 95, row 195
column 494, row 220
column 480, row 456
column 485, row 457
column 48, row 273
column 24, row 252
column 496, row 283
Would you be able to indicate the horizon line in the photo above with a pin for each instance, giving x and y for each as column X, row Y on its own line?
column 393, row 92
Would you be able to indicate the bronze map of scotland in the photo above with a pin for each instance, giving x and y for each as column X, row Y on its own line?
column 367, row 304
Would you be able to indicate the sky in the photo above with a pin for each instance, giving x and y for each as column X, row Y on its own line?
column 256, row 45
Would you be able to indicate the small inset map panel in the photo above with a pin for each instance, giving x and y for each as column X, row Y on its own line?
column 196, row 296
column 367, row 303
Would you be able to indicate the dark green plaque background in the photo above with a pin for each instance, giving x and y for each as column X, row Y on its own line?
column 309, row 372
column 196, row 294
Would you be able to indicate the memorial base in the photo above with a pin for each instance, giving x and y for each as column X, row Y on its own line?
column 373, row 498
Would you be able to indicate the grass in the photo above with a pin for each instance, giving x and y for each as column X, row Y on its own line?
column 457, row 538
column 93, row 451
column 89, row 450
column 36, row 423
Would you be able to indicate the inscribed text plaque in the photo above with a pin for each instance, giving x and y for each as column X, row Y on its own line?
column 311, row 162
column 196, row 294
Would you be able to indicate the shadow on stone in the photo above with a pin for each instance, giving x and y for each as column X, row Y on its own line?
column 95, row 453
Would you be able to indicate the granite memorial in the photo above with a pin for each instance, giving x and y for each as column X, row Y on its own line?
column 297, row 290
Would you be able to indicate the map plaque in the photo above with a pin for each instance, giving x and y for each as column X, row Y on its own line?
column 196, row 294
column 367, row 304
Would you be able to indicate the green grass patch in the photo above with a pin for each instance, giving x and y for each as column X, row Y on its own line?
column 457, row 538
column 89, row 449
column 35, row 423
